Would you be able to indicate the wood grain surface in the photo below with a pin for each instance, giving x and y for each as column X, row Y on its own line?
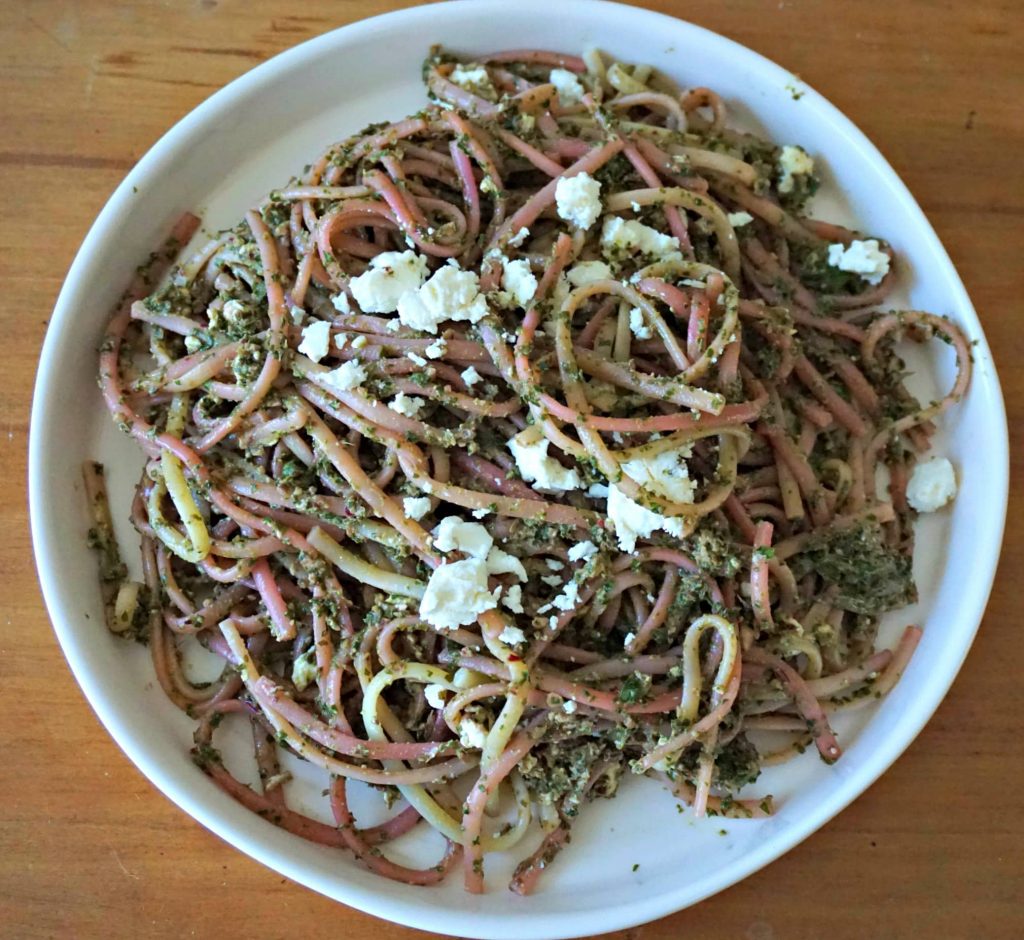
column 88, row 848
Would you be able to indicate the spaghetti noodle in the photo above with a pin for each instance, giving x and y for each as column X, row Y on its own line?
column 521, row 443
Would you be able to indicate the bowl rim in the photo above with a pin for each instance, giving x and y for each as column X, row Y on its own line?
column 464, row 922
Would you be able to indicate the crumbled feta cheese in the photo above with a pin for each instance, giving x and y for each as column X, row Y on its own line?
column 297, row 314
column 340, row 340
column 537, row 467
column 519, row 281
column 472, row 734
column 739, row 219
column 932, row 484
column 437, row 348
column 407, row 405
column 316, row 340
column 304, row 670
column 569, row 706
column 582, row 551
column 416, row 507
column 347, row 376
column 435, row 695
column 470, row 376
column 665, row 474
column 457, row 594
column 516, row 240
column 628, row 638
column 637, row 325
column 480, row 513
column 341, row 303
column 416, row 358
column 360, row 341
column 449, row 294
column 501, row 562
column 513, row 599
column 633, row 521
column 860, row 257
column 453, row 534
column 578, row 199
column 474, row 78
column 569, row 597
column 551, row 580
column 390, row 275
column 585, row 272
column 512, row 636
column 554, row 564
column 568, row 86
column 233, row 311
column 597, row 491
column 193, row 344
column 793, row 162
column 627, row 235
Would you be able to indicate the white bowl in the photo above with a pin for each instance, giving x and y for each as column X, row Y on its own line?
column 250, row 137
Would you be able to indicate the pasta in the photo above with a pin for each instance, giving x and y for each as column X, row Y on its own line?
column 533, row 440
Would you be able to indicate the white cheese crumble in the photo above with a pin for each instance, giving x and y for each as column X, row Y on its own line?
column 569, row 706
column 341, row 303
column 360, row 341
column 597, row 491
column 297, row 314
column 437, row 348
column 582, row 550
column 513, row 599
column 665, row 474
column 860, row 257
column 568, row 86
column 435, row 695
column 416, row 507
column 347, row 376
column 519, row 281
column 537, row 467
column 554, row 564
column 585, row 272
column 453, row 534
column 551, row 580
column 619, row 235
column 316, row 340
column 628, row 638
column 931, row 485
column 633, row 521
column 406, row 405
column 516, row 240
column 340, row 340
column 501, row 562
column 578, row 199
column 793, row 162
column 739, row 219
column 416, row 358
column 567, row 600
column 449, row 294
column 457, row 594
column 638, row 325
column 480, row 513
column 512, row 636
column 474, row 78
column 470, row 376
column 390, row 275
column 472, row 734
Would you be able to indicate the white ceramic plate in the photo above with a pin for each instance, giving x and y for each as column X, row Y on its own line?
column 253, row 135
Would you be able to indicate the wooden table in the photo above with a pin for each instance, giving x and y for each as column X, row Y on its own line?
column 88, row 848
